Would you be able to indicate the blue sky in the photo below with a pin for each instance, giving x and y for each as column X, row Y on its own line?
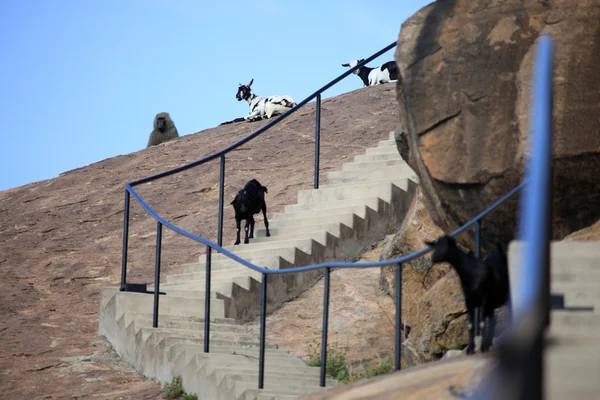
column 81, row 81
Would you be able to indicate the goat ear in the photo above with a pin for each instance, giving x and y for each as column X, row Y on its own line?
column 429, row 243
column 345, row 65
column 250, row 84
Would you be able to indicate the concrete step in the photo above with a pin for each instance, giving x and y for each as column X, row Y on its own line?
column 319, row 236
column 393, row 171
column 387, row 143
column 227, row 325
column 382, row 189
column 331, row 227
column 307, row 219
column 325, row 215
column 283, row 248
column 382, row 150
column 371, row 165
column 377, row 157
column 168, row 305
column 238, row 276
column 372, row 202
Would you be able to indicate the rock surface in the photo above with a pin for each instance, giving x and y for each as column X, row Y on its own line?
column 466, row 68
column 451, row 379
column 60, row 239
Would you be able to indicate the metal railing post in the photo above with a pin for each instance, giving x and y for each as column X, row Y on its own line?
column 157, row 274
column 125, row 242
column 317, row 139
column 398, row 348
column 207, row 300
column 325, row 327
column 477, row 253
column 263, row 315
column 221, row 200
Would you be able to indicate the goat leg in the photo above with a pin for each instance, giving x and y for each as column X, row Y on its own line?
column 488, row 338
column 237, row 231
column 251, row 227
column 246, row 228
column 471, row 319
column 264, row 211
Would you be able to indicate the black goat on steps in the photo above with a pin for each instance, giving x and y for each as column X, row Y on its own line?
column 484, row 284
column 249, row 201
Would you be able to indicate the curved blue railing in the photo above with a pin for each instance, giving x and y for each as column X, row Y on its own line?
column 520, row 371
column 210, row 245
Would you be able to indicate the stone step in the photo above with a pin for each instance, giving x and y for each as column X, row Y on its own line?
column 387, row 143
column 382, row 189
column 372, row 202
column 238, row 277
column 347, row 218
column 371, row 165
column 190, row 323
column 282, row 248
column 169, row 305
column 263, row 262
column 331, row 227
column 319, row 236
column 316, row 216
column 304, row 244
column 394, row 171
column 382, row 150
column 377, row 157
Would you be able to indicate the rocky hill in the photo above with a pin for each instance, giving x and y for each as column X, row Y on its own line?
column 60, row 239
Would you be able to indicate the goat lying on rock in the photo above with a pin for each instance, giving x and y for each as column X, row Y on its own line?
column 249, row 201
column 484, row 284
column 388, row 72
column 263, row 107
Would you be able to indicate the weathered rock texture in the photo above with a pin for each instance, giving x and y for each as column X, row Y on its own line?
column 432, row 301
column 466, row 68
column 60, row 239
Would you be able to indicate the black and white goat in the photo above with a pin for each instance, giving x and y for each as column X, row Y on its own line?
column 484, row 284
column 263, row 107
column 249, row 201
column 388, row 72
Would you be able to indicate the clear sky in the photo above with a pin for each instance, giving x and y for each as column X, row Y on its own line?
column 81, row 81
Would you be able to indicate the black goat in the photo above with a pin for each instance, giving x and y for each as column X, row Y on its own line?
column 484, row 284
column 249, row 201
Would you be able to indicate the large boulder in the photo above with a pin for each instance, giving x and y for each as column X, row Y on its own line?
column 466, row 68
column 441, row 321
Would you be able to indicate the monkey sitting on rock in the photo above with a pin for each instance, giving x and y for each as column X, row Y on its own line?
column 164, row 130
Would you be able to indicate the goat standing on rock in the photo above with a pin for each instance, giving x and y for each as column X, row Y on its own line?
column 249, row 201
column 484, row 284
column 388, row 72
column 263, row 107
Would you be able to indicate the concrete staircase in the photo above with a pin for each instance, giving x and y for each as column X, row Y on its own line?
column 361, row 203
column 573, row 358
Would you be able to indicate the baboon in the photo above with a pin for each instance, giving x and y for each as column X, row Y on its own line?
column 164, row 130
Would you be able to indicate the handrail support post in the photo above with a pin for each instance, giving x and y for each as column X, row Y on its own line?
column 157, row 274
column 398, row 338
column 207, row 300
column 125, row 242
column 326, row 283
column 317, row 139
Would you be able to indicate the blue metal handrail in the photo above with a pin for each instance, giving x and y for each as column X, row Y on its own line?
column 520, row 371
column 210, row 245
